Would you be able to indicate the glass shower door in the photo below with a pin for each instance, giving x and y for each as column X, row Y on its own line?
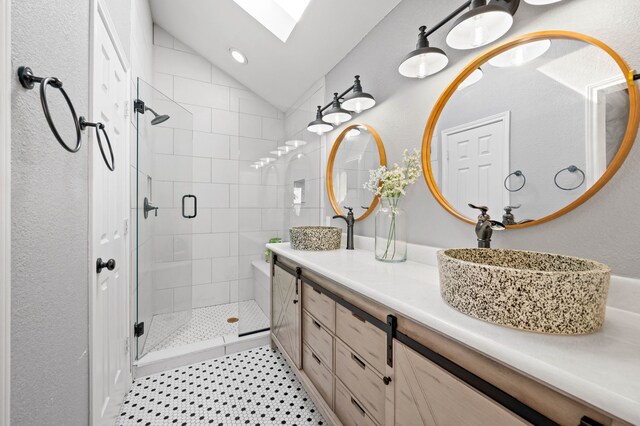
column 166, row 209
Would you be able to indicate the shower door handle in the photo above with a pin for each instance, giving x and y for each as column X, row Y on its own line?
column 195, row 206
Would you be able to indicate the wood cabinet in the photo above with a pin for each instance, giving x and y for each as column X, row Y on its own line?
column 286, row 313
column 425, row 394
column 337, row 343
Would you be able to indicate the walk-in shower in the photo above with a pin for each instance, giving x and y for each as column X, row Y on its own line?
column 192, row 290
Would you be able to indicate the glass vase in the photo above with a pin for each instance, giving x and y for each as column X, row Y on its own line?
column 391, row 231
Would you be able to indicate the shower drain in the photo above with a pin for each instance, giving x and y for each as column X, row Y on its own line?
column 232, row 320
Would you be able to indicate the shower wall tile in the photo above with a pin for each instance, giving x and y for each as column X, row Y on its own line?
column 210, row 145
column 250, row 126
column 224, row 122
column 201, row 169
column 224, row 269
column 201, row 117
column 224, row 220
column 164, row 83
column 201, row 270
column 162, row 301
column 232, row 128
column 181, row 64
column 202, row 222
column 224, row 171
column 163, row 248
column 182, row 298
column 199, row 93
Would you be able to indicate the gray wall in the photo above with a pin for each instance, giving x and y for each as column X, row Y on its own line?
column 50, row 265
column 605, row 228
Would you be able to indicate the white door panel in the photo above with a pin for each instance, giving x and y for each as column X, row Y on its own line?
column 110, row 375
column 474, row 164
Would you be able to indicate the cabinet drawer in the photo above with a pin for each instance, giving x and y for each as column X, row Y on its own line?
column 349, row 410
column 318, row 339
column 320, row 306
column 366, row 384
column 319, row 375
column 367, row 340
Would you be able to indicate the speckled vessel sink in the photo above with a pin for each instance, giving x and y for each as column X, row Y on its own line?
column 533, row 291
column 315, row 238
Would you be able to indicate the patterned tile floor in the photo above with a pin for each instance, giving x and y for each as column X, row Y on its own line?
column 204, row 324
column 255, row 387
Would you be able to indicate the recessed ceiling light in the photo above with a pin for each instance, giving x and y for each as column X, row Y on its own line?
column 238, row 56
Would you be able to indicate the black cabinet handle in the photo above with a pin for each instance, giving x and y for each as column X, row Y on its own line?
column 109, row 264
column 355, row 404
column 195, row 206
column 315, row 357
column 358, row 361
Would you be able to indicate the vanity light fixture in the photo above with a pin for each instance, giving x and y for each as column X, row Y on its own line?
column 284, row 149
column 336, row 115
column 481, row 22
column 338, row 111
column 473, row 78
column 318, row 125
column 353, row 133
column 277, row 153
column 358, row 100
column 267, row 160
column 238, row 56
column 423, row 61
column 521, row 54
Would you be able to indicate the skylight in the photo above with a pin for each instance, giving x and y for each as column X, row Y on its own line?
column 278, row 16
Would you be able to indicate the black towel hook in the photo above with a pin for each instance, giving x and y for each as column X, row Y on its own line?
column 28, row 80
column 100, row 126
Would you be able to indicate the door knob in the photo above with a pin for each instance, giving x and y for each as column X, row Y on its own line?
column 109, row 264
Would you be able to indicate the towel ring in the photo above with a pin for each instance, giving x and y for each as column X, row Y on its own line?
column 99, row 126
column 519, row 174
column 571, row 169
column 28, row 80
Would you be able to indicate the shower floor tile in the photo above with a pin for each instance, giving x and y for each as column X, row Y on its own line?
column 255, row 387
column 204, row 324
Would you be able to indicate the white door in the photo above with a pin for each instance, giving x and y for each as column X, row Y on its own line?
column 110, row 372
column 475, row 163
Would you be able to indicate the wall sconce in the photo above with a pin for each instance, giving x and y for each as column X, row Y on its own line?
column 482, row 22
column 354, row 99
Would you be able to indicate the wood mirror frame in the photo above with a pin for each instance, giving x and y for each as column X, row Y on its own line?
column 623, row 151
column 332, row 156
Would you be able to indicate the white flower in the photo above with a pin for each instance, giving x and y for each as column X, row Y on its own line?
column 392, row 183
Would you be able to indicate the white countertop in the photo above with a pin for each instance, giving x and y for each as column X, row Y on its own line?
column 602, row 369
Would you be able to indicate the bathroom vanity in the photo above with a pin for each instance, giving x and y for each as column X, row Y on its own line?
column 375, row 344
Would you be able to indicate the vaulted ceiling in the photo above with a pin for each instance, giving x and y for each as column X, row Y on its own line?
column 279, row 72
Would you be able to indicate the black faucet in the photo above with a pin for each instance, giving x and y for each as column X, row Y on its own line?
column 350, row 219
column 485, row 227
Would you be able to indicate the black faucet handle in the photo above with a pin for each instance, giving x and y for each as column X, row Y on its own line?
column 348, row 208
column 509, row 208
column 483, row 209
column 497, row 226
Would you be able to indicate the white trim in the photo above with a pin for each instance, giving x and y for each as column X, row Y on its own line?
column 100, row 13
column 5, row 210
column 504, row 117
column 596, row 132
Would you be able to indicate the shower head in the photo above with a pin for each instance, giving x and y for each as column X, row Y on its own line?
column 158, row 118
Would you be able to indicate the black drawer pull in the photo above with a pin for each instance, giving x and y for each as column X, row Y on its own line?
column 355, row 404
column 315, row 357
column 358, row 361
column 358, row 317
column 316, row 323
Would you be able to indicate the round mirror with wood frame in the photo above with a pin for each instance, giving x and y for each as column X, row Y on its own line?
column 528, row 93
column 354, row 146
